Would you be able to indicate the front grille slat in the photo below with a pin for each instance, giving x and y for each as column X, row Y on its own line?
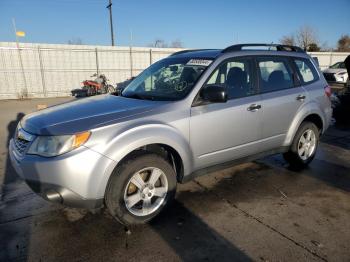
column 22, row 140
column 21, row 145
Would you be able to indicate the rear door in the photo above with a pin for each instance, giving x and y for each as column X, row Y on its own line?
column 282, row 96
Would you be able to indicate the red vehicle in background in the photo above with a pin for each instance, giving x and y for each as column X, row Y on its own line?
column 94, row 87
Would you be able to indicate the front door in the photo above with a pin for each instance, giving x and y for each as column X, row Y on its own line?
column 220, row 132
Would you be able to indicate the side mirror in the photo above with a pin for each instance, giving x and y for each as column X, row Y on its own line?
column 214, row 94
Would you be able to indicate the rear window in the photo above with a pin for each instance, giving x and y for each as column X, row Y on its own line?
column 306, row 70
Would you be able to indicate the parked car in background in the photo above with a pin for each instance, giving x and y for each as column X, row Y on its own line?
column 336, row 74
column 186, row 115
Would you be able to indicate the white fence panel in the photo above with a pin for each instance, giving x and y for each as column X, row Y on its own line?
column 45, row 70
column 42, row 70
column 326, row 59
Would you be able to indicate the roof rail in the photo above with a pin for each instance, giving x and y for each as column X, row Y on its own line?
column 189, row 50
column 278, row 47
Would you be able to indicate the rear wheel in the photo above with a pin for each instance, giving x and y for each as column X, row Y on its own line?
column 110, row 89
column 140, row 188
column 304, row 146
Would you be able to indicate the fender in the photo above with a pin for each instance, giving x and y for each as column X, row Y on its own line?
column 308, row 109
column 138, row 136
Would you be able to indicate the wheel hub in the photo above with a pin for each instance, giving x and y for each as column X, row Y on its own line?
column 147, row 192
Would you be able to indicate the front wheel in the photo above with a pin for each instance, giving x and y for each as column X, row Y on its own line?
column 304, row 146
column 140, row 188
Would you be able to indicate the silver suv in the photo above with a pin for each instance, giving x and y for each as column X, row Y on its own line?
column 186, row 115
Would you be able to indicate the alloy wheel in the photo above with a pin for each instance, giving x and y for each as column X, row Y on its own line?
column 146, row 191
column 307, row 144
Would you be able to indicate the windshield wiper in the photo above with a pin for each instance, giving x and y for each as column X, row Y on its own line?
column 135, row 96
column 138, row 96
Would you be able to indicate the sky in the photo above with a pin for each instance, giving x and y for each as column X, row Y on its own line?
column 197, row 24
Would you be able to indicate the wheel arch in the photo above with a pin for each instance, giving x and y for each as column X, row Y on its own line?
column 316, row 119
column 161, row 139
column 165, row 151
column 312, row 114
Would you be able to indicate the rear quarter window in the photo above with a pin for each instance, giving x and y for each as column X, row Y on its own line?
column 306, row 70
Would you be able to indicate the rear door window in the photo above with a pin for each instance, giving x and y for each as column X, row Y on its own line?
column 275, row 74
column 306, row 70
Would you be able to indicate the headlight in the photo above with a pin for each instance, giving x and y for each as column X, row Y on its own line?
column 56, row 145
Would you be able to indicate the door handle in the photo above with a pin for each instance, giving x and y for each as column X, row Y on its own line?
column 300, row 97
column 254, row 107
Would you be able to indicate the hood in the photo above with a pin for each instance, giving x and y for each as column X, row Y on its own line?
column 85, row 114
column 334, row 71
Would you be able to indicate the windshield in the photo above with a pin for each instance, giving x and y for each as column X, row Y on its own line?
column 339, row 65
column 168, row 79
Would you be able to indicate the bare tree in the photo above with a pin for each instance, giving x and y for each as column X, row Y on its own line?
column 344, row 43
column 305, row 36
column 75, row 41
column 176, row 44
column 313, row 48
column 325, row 47
column 288, row 40
column 158, row 42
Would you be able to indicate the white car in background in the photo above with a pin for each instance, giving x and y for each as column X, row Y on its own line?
column 336, row 74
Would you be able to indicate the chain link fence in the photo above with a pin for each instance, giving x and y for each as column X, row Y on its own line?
column 50, row 70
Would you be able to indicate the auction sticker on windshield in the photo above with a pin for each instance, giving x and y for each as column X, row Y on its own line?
column 199, row 62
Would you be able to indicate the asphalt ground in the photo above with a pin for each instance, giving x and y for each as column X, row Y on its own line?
column 261, row 211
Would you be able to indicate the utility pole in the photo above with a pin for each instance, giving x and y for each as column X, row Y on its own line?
column 111, row 20
column 131, row 62
column 25, row 91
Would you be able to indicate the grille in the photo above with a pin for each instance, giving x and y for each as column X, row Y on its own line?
column 22, row 140
column 329, row 77
column 21, row 145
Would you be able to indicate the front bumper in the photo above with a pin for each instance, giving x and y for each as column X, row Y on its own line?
column 77, row 178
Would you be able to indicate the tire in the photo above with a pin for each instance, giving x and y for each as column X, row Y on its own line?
column 133, row 204
column 294, row 156
column 110, row 89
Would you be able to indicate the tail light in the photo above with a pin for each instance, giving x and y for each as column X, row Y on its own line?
column 328, row 91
